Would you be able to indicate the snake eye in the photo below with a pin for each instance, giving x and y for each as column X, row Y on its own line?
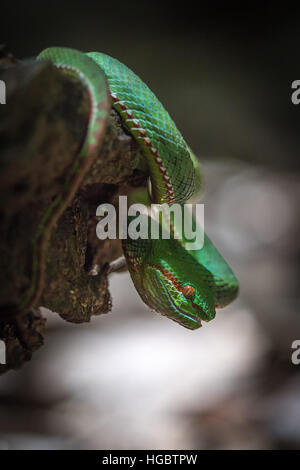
column 188, row 291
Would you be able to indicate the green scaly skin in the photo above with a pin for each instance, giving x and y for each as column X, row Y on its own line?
column 184, row 285
column 160, row 269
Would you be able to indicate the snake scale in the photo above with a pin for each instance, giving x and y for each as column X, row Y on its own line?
column 185, row 285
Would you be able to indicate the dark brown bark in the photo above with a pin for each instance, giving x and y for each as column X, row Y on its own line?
column 43, row 124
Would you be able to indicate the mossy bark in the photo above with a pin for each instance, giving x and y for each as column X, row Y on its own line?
column 43, row 124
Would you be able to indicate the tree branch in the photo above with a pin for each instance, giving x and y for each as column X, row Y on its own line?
column 42, row 129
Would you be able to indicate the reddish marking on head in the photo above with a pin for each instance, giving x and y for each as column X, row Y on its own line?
column 169, row 276
column 187, row 290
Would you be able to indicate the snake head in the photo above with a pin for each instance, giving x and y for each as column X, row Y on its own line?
column 183, row 291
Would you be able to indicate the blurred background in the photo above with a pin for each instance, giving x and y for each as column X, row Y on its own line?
column 133, row 379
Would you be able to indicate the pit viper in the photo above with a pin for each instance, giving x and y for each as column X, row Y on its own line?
column 185, row 285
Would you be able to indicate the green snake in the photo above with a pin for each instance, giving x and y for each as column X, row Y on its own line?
column 185, row 285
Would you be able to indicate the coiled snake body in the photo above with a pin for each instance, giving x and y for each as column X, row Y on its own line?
column 182, row 284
